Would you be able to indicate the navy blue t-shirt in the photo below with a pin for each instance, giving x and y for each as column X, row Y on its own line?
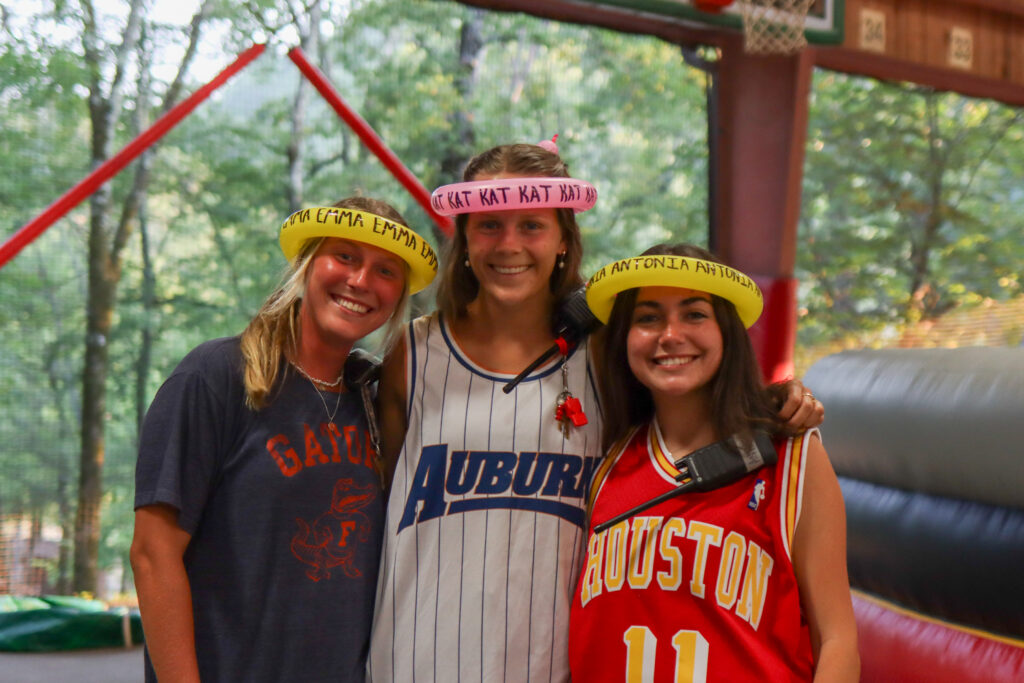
column 285, row 511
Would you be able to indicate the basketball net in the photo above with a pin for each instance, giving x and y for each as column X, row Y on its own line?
column 773, row 27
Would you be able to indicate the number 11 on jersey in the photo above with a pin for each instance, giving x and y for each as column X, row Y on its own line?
column 691, row 655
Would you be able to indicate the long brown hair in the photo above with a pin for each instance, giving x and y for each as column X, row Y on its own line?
column 457, row 285
column 739, row 400
column 272, row 333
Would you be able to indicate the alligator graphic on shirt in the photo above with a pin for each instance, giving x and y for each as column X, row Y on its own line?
column 330, row 540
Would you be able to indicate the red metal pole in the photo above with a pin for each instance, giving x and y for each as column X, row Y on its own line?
column 774, row 334
column 111, row 167
column 370, row 139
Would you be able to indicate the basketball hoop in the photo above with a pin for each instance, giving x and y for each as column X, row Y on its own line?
column 774, row 27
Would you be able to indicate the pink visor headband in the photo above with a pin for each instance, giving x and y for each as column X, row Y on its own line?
column 508, row 194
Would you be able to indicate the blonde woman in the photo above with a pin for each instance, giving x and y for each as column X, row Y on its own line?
column 259, row 504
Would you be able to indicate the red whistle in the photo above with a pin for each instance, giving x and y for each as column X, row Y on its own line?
column 574, row 411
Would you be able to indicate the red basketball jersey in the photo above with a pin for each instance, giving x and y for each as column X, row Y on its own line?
column 698, row 588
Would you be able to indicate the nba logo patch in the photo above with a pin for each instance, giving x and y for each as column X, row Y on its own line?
column 757, row 496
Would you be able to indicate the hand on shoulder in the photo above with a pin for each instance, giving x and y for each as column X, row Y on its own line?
column 799, row 408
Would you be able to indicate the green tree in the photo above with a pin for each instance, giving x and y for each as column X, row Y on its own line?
column 629, row 112
column 43, row 149
column 107, row 67
column 910, row 204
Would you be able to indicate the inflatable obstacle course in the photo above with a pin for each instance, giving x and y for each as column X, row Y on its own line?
column 928, row 445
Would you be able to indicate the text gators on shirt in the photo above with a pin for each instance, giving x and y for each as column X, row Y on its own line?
column 356, row 443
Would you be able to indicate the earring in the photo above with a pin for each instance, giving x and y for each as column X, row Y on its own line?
column 561, row 260
column 466, row 262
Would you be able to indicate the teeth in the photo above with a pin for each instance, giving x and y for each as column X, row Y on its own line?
column 510, row 270
column 353, row 306
column 673, row 361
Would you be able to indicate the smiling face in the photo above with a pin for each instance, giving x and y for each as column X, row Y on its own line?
column 513, row 253
column 352, row 288
column 674, row 344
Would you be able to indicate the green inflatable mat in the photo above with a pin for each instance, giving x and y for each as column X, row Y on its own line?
column 63, row 622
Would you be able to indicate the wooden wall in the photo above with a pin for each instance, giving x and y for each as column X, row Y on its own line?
column 974, row 47
column 980, row 38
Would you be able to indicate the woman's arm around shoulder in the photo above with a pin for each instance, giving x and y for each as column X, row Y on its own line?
column 391, row 408
column 165, row 597
column 819, row 559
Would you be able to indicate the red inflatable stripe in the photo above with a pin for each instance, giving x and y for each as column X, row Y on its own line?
column 901, row 646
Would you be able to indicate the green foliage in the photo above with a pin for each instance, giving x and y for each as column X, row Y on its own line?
column 617, row 102
column 912, row 201
column 911, row 205
column 41, row 321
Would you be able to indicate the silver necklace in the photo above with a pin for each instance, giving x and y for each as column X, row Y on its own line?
column 315, row 382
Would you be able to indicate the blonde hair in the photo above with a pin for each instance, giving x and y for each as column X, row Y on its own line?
column 271, row 335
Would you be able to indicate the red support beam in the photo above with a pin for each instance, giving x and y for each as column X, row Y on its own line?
column 762, row 129
column 370, row 138
column 111, row 167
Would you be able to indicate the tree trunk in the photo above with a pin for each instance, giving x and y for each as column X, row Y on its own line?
column 923, row 297
column 140, row 120
column 61, row 383
column 104, row 276
column 294, row 152
column 309, row 41
column 102, row 289
column 145, row 359
column 104, row 263
column 35, row 534
column 471, row 44
column 67, row 529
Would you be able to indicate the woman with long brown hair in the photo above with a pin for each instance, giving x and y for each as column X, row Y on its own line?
column 717, row 544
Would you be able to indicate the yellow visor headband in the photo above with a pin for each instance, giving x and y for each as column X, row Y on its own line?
column 365, row 227
column 666, row 270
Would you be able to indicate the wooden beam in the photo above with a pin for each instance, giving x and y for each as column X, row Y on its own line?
column 1014, row 7
column 669, row 29
column 885, row 68
column 845, row 59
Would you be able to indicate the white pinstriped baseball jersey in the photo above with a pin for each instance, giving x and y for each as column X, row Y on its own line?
column 484, row 534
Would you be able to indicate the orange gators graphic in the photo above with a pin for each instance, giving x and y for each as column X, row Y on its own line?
column 328, row 542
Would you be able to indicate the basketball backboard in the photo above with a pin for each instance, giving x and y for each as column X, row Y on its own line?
column 823, row 24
